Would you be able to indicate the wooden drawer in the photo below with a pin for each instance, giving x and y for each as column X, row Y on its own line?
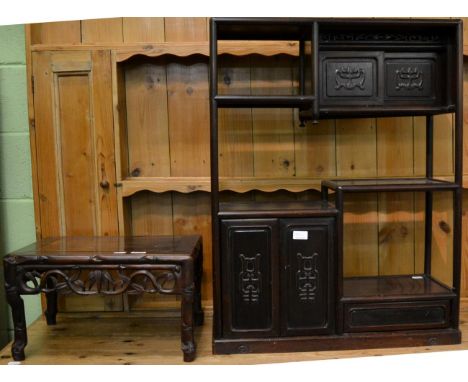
column 351, row 78
column 384, row 316
column 412, row 78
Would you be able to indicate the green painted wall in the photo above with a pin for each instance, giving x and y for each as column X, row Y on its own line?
column 16, row 200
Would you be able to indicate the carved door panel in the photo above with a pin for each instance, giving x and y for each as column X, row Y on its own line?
column 75, row 151
column 250, row 278
column 307, row 302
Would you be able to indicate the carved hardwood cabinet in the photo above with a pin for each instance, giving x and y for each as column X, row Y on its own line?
column 278, row 261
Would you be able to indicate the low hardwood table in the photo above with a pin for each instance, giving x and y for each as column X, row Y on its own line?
column 108, row 266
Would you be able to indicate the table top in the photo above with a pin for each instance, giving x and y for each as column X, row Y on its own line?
column 129, row 248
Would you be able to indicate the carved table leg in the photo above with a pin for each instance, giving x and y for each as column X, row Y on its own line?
column 17, row 308
column 51, row 297
column 198, row 311
column 188, row 344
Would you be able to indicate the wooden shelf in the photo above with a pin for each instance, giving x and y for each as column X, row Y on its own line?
column 401, row 287
column 163, row 184
column 389, row 184
column 276, row 209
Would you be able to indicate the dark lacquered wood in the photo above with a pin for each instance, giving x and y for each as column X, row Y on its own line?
column 360, row 68
column 276, row 209
column 250, row 277
column 171, row 264
column 307, row 277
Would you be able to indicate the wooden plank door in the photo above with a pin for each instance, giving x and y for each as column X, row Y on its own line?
column 75, row 150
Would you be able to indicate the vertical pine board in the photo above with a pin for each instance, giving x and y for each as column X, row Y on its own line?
column 419, row 146
column 143, row 29
column 75, row 152
column 235, row 145
column 63, row 32
column 315, row 149
column 396, row 233
column 442, row 239
column 419, row 231
column 360, row 235
column 395, row 146
column 273, row 129
column 151, row 213
column 186, row 28
column 464, row 269
column 187, row 86
column 45, row 141
column 356, row 148
column 443, row 145
column 147, row 120
column 101, row 31
column 356, row 157
column 192, row 215
column 104, row 142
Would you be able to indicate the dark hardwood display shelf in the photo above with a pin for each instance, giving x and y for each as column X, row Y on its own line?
column 389, row 184
column 278, row 267
column 276, row 209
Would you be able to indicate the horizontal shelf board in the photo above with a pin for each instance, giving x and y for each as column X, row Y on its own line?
column 379, row 111
column 276, row 209
column 402, row 287
column 264, row 101
column 185, row 49
column 389, row 184
column 163, row 184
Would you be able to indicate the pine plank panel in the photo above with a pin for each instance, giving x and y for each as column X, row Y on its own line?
column 315, row 149
column 273, row 129
column 235, row 134
column 106, row 207
column 143, row 29
column 151, row 213
column 356, row 157
column 98, row 31
column 356, row 148
column 186, row 28
column 443, row 144
column 419, row 231
column 396, row 233
column 192, row 215
column 187, row 86
column 396, row 218
column 419, row 146
column 147, row 120
column 45, row 138
column 62, row 32
column 442, row 237
column 360, row 235
column 143, row 338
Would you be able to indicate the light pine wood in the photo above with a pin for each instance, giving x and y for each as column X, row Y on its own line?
column 315, row 149
column 360, row 235
column 419, row 231
column 147, row 120
column 187, row 86
column 161, row 184
column 143, row 338
column 235, row 142
column 62, row 32
column 443, row 144
column 143, row 29
column 442, row 237
column 151, row 214
column 396, row 233
column 98, row 31
column 273, row 129
column 186, row 28
column 419, row 146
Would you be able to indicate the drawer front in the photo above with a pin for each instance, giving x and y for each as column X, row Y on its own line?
column 350, row 78
column 249, row 283
column 412, row 78
column 307, row 282
column 396, row 316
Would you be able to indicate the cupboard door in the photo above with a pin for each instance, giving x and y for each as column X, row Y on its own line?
column 74, row 143
column 249, row 277
column 307, row 302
